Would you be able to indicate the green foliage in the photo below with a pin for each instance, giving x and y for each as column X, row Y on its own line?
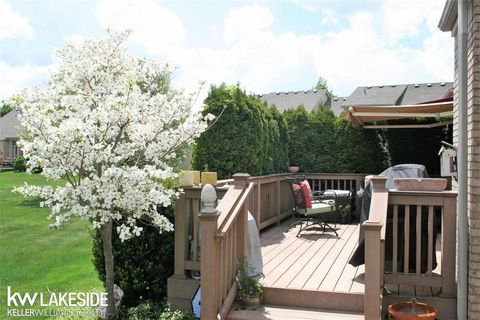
column 358, row 150
column 169, row 314
column 322, row 85
column 19, row 164
column 247, row 136
column 320, row 142
column 417, row 145
column 142, row 264
column 5, row 108
column 149, row 310
column 247, row 285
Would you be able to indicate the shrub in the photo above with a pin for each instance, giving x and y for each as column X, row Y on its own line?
column 312, row 139
column 149, row 310
column 142, row 264
column 358, row 150
column 19, row 164
column 320, row 142
column 246, row 137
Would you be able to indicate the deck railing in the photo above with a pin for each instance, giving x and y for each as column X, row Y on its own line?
column 411, row 216
column 270, row 200
column 224, row 242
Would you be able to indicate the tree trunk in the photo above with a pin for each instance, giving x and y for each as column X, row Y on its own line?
column 106, row 234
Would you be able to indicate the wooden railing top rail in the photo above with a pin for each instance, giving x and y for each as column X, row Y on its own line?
column 228, row 220
column 228, row 202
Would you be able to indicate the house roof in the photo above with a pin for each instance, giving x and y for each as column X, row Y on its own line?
column 425, row 92
column 339, row 105
column 310, row 99
column 403, row 94
column 382, row 95
column 377, row 95
column 9, row 125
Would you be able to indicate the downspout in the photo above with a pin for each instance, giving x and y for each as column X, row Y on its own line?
column 462, row 215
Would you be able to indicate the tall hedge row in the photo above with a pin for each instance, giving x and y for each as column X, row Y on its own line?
column 320, row 142
column 246, row 137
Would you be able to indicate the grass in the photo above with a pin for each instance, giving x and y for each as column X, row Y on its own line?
column 35, row 258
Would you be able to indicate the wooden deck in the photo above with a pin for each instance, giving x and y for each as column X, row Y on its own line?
column 286, row 313
column 314, row 261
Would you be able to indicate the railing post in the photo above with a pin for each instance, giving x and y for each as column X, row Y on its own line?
column 180, row 238
column 278, row 203
column 449, row 226
column 242, row 180
column 208, row 227
column 373, row 270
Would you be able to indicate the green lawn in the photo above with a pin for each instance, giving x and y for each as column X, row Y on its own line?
column 35, row 258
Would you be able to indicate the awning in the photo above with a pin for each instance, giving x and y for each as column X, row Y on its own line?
column 362, row 115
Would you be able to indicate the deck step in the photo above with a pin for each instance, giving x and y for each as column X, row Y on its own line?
column 297, row 298
column 289, row 313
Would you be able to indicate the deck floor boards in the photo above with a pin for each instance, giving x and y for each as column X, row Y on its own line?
column 286, row 313
column 315, row 260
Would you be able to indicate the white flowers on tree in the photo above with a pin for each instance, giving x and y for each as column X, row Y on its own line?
column 110, row 124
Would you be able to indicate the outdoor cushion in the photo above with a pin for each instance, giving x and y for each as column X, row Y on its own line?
column 307, row 193
column 338, row 193
column 318, row 208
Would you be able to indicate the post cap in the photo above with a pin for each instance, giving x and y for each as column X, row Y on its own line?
column 208, row 196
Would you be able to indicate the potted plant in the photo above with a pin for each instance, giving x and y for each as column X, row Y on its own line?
column 293, row 167
column 250, row 290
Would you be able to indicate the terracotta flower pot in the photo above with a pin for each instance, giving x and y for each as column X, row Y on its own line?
column 412, row 311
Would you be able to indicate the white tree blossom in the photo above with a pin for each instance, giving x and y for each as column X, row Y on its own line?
column 110, row 124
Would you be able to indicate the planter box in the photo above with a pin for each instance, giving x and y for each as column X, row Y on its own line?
column 419, row 184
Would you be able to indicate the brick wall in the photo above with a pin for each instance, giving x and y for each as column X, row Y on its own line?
column 473, row 205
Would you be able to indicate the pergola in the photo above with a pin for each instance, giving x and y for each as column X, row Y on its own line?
column 364, row 116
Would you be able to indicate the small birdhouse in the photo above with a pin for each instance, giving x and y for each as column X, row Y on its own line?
column 448, row 162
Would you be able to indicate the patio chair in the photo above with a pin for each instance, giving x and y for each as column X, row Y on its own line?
column 309, row 209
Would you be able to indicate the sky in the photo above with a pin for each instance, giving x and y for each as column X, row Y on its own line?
column 265, row 46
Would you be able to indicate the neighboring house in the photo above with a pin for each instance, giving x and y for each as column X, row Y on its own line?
column 467, row 106
column 383, row 95
column 9, row 135
column 310, row 99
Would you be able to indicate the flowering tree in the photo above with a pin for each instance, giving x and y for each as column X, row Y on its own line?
column 110, row 124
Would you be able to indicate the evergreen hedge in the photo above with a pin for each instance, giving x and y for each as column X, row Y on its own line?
column 320, row 142
column 246, row 137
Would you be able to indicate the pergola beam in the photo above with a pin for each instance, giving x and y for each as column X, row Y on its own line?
column 408, row 126
column 402, row 114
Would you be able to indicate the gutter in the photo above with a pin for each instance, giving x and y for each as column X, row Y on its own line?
column 449, row 16
column 462, row 213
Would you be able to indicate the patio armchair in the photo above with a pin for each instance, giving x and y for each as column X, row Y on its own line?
column 310, row 209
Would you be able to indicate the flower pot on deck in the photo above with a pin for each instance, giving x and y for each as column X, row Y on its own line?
column 293, row 169
column 250, row 301
column 412, row 310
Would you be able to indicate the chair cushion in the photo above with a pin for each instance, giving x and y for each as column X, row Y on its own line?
column 298, row 194
column 319, row 208
column 338, row 193
column 307, row 193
